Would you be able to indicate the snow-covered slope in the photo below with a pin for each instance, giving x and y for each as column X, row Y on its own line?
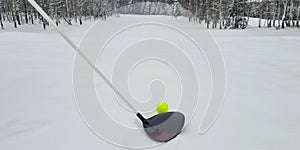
column 37, row 109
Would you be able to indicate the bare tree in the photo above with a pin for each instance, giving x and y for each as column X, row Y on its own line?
column 220, row 13
column 260, row 13
column 1, row 23
column 291, row 15
column 14, row 14
column 1, row 14
column 67, row 17
column 298, row 14
column 285, row 2
column 275, row 11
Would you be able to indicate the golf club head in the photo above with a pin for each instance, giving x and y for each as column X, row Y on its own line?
column 163, row 127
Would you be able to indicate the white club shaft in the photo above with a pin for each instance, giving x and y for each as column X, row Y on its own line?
column 76, row 48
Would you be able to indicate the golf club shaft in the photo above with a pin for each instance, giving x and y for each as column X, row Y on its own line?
column 77, row 49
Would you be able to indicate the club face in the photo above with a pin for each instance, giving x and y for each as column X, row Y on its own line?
column 164, row 127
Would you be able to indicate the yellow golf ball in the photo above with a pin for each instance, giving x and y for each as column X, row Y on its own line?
column 162, row 107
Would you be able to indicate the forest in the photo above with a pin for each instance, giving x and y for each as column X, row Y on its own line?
column 217, row 14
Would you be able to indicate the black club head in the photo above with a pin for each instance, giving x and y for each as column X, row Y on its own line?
column 163, row 127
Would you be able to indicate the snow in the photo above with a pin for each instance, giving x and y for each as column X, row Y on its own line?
column 37, row 108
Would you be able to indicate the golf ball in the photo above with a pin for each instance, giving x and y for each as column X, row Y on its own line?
column 162, row 107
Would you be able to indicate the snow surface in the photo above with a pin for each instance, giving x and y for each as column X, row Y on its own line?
column 37, row 109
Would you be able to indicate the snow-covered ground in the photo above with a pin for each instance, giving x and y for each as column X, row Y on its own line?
column 37, row 109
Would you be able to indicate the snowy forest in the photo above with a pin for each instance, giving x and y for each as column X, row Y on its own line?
column 219, row 14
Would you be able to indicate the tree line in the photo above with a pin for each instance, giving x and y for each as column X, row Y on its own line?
column 20, row 12
column 222, row 14
column 236, row 13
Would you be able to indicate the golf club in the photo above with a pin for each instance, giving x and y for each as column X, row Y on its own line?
column 161, row 127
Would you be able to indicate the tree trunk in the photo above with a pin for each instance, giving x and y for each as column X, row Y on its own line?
column 68, row 18
column 274, row 13
column 25, row 11
column 18, row 18
column 32, row 15
column 260, row 13
column 207, row 14
column 14, row 14
column 45, row 23
column 249, row 11
column 298, row 15
column 220, row 13
column 75, row 11
column 91, row 10
column 278, row 12
column 284, row 13
column 80, row 12
column 291, row 15
column 196, row 10
column 190, row 8
column 57, row 16
column 1, row 23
